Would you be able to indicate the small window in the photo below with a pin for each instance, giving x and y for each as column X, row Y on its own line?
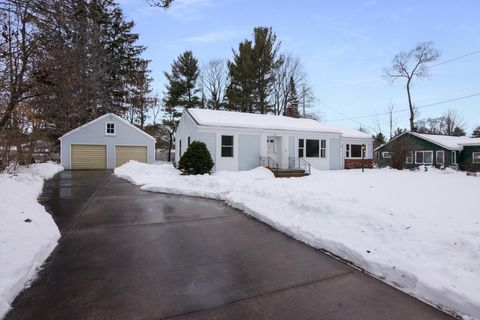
column 347, row 151
column 188, row 141
column 440, row 157
column 323, row 148
column 180, row 148
column 110, row 128
column 409, row 159
column 476, row 157
column 227, row 146
column 301, row 147
column 454, row 157
column 313, row 147
column 386, row 155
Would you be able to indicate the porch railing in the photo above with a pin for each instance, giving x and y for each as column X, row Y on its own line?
column 269, row 163
column 300, row 164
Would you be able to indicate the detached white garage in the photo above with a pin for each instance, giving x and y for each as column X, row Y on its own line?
column 105, row 143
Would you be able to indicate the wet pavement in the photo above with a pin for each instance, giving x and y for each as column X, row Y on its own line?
column 130, row 254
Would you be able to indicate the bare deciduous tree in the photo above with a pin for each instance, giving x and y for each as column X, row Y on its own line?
column 411, row 65
column 291, row 68
column 213, row 83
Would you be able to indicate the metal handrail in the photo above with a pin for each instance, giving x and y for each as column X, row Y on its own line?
column 307, row 164
column 269, row 163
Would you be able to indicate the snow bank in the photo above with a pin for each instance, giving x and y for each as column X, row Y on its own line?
column 24, row 245
column 419, row 231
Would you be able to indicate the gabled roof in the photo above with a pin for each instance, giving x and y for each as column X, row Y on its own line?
column 233, row 119
column 108, row 115
column 447, row 142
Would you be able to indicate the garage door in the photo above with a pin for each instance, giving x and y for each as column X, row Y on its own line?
column 87, row 156
column 125, row 153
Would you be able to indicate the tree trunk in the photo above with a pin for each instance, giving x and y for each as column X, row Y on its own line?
column 410, row 105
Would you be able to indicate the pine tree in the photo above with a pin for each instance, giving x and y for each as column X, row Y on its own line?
column 476, row 132
column 379, row 139
column 253, row 71
column 181, row 88
column 292, row 100
column 242, row 73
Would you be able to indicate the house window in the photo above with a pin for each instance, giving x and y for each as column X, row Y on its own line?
column 353, row 151
column 188, row 141
column 409, row 159
column 347, row 151
column 476, row 157
column 323, row 148
column 301, row 148
column 440, row 157
column 312, row 147
column 227, row 146
column 454, row 157
column 110, row 128
column 180, row 148
column 386, row 155
column 423, row 157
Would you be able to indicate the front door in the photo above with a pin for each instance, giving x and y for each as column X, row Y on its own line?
column 272, row 148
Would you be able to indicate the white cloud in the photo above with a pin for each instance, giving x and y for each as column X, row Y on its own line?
column 215, row 36
column 188, row 10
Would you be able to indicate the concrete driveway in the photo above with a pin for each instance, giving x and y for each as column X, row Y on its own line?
column 130, row 254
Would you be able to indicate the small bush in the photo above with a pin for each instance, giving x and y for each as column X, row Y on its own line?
column 196, row 160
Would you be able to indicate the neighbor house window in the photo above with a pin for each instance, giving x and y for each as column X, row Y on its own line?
column 454, row 157
column 227, row 146
column 323, row 148
column 301, row 148
column 386, row 155
column 312, row 147
column 440, row 157
column 476, row 157
column 423, row 157
column 110, row 128
column 409, row 159
column 188, row 141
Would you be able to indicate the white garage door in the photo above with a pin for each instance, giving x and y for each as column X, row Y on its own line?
column 125, row 153
column 88, row 156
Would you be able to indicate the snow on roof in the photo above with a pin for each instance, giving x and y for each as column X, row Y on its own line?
column 449, row 142
column 266, row 121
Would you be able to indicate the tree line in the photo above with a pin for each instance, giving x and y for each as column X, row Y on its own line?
column 259, row 78
column 62, row 64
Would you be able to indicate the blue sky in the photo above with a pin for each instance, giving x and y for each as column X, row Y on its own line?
column 340, row 43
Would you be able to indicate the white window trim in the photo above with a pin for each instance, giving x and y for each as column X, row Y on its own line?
column 348, row 154
column 411, row 159
column 443, row 157
column 386, row 155
column 423, row 151
column 232, row 146
column 454, row 157
column 114, row 128
column 473, row 157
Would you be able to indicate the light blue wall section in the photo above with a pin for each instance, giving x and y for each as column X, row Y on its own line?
column 94, row 133
column 248, row 151
column 334, row 154
column 210, row 139
column 186, row 128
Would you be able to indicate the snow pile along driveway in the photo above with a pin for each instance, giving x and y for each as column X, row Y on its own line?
column 27, row 232
column 419, row 231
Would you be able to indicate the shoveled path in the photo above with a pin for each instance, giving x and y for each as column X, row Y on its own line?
column 130, row 254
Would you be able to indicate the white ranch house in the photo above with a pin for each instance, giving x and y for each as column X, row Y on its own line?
column 243, row 141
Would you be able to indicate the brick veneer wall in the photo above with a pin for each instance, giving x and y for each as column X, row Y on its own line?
column 357, row 163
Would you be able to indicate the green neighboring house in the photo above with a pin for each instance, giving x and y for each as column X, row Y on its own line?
column 433, row 150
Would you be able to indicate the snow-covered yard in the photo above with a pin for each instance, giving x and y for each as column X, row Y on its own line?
column 27, row 232
column 419, row 231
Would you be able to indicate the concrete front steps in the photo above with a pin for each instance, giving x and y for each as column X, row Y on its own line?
column 288, row 173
